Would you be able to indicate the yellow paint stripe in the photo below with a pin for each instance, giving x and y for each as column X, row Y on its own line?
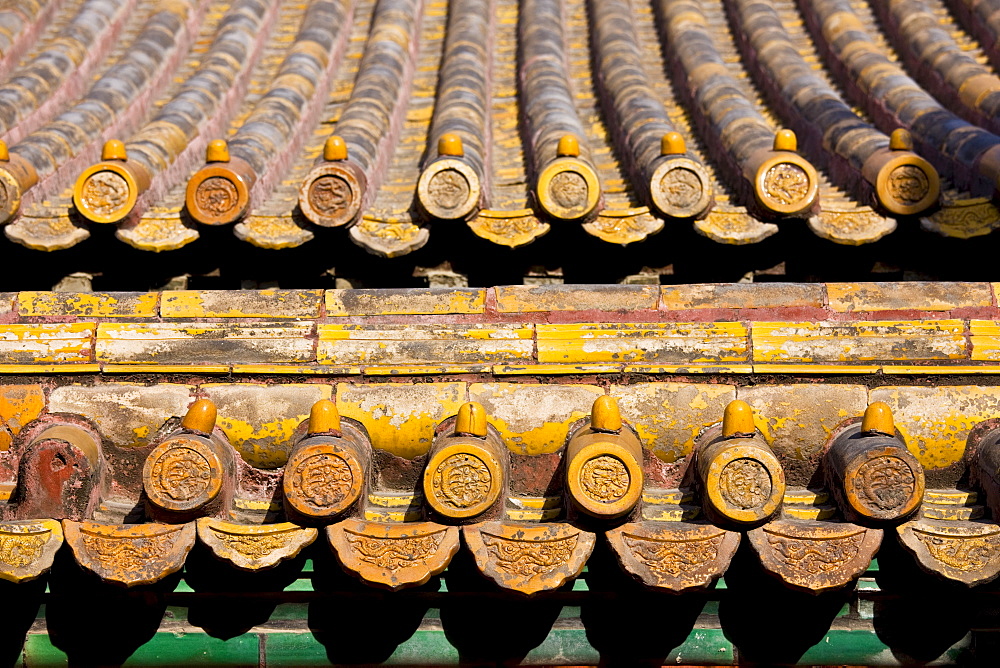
column 953, row 513
column 815, row 368
column 671, row 514
column 554, row 369
column 533, row 515
column 537, row 502
column 68, row 367
column 809, row 512
column 395, row 501
column 914, row 370
column 393, row 516
column 690, row 368
column 247, row 504
column 670, row 497
column 292, row 369
column 165, row 368
column 806, row 497
column 950, row 497
column 418, row 370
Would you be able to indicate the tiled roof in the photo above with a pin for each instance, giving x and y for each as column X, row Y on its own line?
column 395, row 120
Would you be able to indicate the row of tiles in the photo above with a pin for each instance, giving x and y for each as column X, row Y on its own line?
column 837, row 300
column 395, row 233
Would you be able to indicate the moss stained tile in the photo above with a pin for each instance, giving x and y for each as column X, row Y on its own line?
column 205, row 343
column 833, row 342
column 916, row 295
column 418, row 301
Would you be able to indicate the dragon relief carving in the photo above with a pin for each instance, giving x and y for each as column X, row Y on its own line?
column 529, row 558
column 394, row 554
column 674, row 558
column 22, row 549
column 255, row 546
column 963, row 553
column 127, row 553
column 813, row 556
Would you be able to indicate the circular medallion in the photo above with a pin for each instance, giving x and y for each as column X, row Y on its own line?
column 908, row 184
column 462, row 480
column 745, row 483
column 605, row 479
column 217, row 196
column 905, row 184
column 885, row 483
column 330, row 195
column 681, row 187
column 786, row 183
column 182, row 474
column 568, row 188
column 323, row 480
column 449, row 189
column 105, row 193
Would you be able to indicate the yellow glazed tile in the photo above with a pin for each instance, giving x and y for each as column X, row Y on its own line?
column 241, row 303
column 33, row 344
column 400, row 417
column 819, row 369
column 645, row 343
column 182, row 343
column 935, row 421
column 421, row 301
column 690, row 368
column 553, row 369
column 260, row 420
column 917, row 295
column 796, row 420
column 534, row 418
column 128, row 414
column 88, row 304
column 19, row 405
column 825, row 342
column 418, row 345
column 669, row 416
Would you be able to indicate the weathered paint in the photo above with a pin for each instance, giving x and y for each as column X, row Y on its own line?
column 669, row 416
column 426, row 301
column 919, row 295
column 741, row 296
column 885, row 340
column 651, row 343
column 533, row 298
column 260, row 420
column 88, row 304
column 127, row 414
column 985, row 338
column 796, row 420
column 31, row 344
column 398, row 345
column 19, row 405
column 193, row 343
column 935, row 421
column 534, row 419
column 241, row 303
column 400, row 418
